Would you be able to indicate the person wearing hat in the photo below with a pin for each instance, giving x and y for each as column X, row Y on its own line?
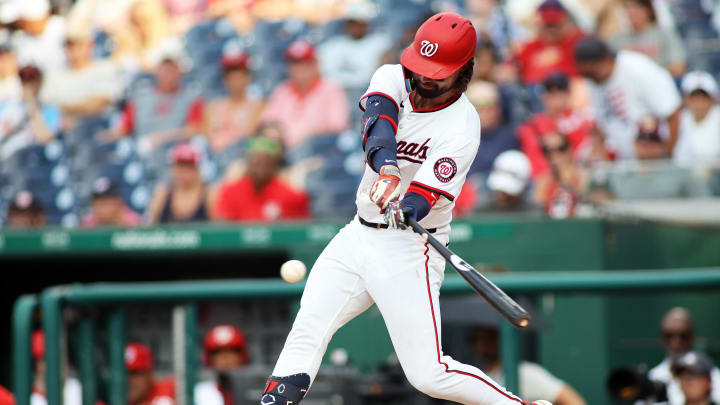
column 186, row 198
column 25, row 211
column 225, row 350
column 39, row 41
column 165, row 110
column 27, row 120
column 142, row 386
column 557, row 116
column 85, row 87
column 10, row 87
column 694, row 371
column 420, row 134
column 306, row 104
column 260, row 195
column 699, row 140
column 350, row 59
column 508, row 181
column 236, row 116
column 108, row 208
column 6, row 397
column 625, row 87
column 72, row 390
column 552, row 49
column 663, row 45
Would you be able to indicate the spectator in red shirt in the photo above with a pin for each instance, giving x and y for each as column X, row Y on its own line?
column 108, row 207
column 260, row 195
column 165, row 111
column 307, row 104
column 558, row 117
column 6, row 397
column 143, row 388
column 225, row 352
column 553, row 49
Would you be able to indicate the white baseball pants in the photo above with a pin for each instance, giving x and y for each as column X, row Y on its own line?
column 402, row 274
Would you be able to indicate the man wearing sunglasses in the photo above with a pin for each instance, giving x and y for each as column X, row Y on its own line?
column 678, row 336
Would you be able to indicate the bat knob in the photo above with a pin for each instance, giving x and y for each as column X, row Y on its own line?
column 424, row 236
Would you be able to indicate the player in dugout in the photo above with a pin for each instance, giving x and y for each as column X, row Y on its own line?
column 225, row 349
column 143, row 387
column 420, row 134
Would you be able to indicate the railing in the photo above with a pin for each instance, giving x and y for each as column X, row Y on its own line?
column 186, row 294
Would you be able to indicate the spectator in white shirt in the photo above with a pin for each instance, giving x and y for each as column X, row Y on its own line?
column 85, row 87
column 10, row 87
column 627, row 87
column 699, row 141
column 678, row 336
column 351, row 59
column 40, row 39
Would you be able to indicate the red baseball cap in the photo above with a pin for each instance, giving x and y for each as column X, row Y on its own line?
column 37, row 343
column 442, row 45
column 138, row 358
column 185, row 153
column 300, row 50
column 240, row 59
column 225, row 336
column 552, row 12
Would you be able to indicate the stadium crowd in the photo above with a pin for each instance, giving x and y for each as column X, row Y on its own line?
column 140, row 112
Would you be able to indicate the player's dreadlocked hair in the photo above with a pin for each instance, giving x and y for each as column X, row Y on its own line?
column 466, row 73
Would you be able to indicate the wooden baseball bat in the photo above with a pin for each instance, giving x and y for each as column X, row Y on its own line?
column 496, row 297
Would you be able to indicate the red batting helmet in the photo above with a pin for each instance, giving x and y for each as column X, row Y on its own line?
column 38, row 344
column 138, row 357
column 442, row 45
column 222, row 337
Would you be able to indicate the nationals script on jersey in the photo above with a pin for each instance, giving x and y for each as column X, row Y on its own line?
column 435, row 148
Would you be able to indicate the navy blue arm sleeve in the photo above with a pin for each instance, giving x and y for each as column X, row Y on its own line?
column 420, row 205
column 378, row 129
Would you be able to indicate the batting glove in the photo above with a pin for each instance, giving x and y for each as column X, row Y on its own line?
column 397, row 214
column 386, row 188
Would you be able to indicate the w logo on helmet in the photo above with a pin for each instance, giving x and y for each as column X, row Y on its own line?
column 427, row 48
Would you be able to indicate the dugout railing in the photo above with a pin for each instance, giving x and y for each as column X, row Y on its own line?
column 186, row 294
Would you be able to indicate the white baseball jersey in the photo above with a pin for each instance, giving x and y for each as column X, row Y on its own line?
column 435, row 148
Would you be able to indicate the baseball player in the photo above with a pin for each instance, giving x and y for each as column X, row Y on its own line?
column 420, row 135
column 225, row 350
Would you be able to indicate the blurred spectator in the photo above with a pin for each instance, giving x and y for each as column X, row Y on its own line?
column 486, row 60
column 699, row 140
column 166, row 111
column 678, row 336
column 496, row 136
column 10, row 87
column 465, row 202
column 558, row 189
column 27, row 121
column 40, row 39
column 626, row 88
column 6, row 397
column 488, row 68
column 508, row 181
column 647, row 37
column 25, row 211
column 533, row 380
column 225, row 350
column 352, row 58
column 109, row 207
column 138, row 44
column 260, row 195
column 237, row 116
column 85, row 87
column 72, row 390
column 693, row 370
column 306, row 104
column 557, row 116
column 143, row 388
column 185, row 13
column 490, row 19
column 552, row 50
column 186, row 198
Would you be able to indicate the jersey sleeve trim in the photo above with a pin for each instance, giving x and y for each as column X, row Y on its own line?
column 394, row 124
column 429, row 196
column 376, row 93
column 432, row 190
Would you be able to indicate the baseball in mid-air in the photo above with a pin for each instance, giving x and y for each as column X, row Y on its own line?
column 293, row 271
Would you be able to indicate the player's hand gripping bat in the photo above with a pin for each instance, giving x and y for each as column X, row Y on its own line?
column 492, row 294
